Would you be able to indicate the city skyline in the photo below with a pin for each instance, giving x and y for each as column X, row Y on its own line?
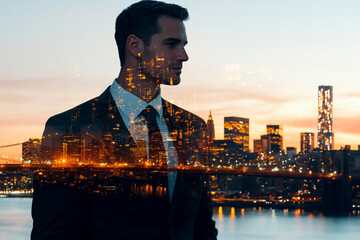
column 325, row 94
column 58, row 55
column 236, row 129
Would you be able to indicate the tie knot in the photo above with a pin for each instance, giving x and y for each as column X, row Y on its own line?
column 149, row 113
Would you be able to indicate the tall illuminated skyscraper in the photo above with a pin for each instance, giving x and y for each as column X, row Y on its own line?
column 210, row 128
column 325, row 115
column 237, row 129
column 307, row 142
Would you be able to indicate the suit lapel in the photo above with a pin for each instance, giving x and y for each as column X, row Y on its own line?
column 112, row 123
column 174, row 120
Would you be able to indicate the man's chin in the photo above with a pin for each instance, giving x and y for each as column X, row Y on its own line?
column 172, row 81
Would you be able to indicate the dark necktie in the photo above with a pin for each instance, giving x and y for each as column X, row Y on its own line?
column 157, row 154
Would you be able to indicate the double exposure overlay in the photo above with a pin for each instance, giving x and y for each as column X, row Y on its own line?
column 186, row 120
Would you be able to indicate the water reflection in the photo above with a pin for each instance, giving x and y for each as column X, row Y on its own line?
column 232, row 212
column 220, row 213
column 273, row 214
column 237, row 212
column 286, row 211
column 267, row 223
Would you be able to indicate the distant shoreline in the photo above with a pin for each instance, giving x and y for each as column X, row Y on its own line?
column 314, row 206
column 273, row 205
column 24, row 195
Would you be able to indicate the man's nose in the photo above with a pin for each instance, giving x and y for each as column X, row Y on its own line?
column 182, row 55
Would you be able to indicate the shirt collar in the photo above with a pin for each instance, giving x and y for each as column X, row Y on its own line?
column 132, row 105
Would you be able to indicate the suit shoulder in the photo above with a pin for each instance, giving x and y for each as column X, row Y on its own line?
column 184, row 114
column 82, row 111
column 66, row 116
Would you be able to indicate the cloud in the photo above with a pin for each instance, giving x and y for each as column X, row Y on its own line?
column 28, row 84
column 15, row 98
column 246, row 93
column 247, row 100
column 351, row 95
column 304, row 123
column 347, row 125
column 24, row 121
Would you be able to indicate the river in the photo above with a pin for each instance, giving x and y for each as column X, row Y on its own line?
column 232, row 223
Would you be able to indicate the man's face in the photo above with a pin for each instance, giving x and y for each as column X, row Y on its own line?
column 162, row 60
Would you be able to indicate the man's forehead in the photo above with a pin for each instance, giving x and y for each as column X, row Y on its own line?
column 172, row 28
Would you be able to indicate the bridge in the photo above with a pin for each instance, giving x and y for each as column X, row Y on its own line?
column 335, row 197
column 195, row 170
column 5, row 159
column 336, row 194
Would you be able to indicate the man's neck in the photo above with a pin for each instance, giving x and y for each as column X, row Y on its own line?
column 132, row 81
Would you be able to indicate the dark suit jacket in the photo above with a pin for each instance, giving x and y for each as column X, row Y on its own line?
column 87, row 204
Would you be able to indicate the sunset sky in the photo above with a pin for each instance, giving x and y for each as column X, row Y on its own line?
column 261, row 60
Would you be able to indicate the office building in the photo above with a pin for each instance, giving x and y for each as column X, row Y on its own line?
column 275, row 138
column 307, row 142
column 225, row 153
column 291, row 151
column 237, row 129
column 31, row 150
column 265, row 143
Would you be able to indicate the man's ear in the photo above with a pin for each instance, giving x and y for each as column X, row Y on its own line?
column 134, row 45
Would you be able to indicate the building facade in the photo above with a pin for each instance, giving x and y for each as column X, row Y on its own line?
column 258, row 146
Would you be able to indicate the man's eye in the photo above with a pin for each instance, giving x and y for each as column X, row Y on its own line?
column 171, row 44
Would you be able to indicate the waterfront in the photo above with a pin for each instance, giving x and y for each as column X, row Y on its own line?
column 232, row 223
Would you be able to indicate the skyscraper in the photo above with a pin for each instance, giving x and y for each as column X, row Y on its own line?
column 325, row 115
column 237, row 129
column 275, row 135
column 210, row 128
column 307, row 142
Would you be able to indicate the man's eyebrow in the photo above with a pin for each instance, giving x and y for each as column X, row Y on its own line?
column 177, row 40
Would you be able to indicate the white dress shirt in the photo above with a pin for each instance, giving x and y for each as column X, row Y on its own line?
column 130, row 107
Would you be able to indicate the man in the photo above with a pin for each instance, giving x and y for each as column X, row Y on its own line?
column 128, row 125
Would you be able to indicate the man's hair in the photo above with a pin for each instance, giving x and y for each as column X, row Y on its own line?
column 141, row 19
